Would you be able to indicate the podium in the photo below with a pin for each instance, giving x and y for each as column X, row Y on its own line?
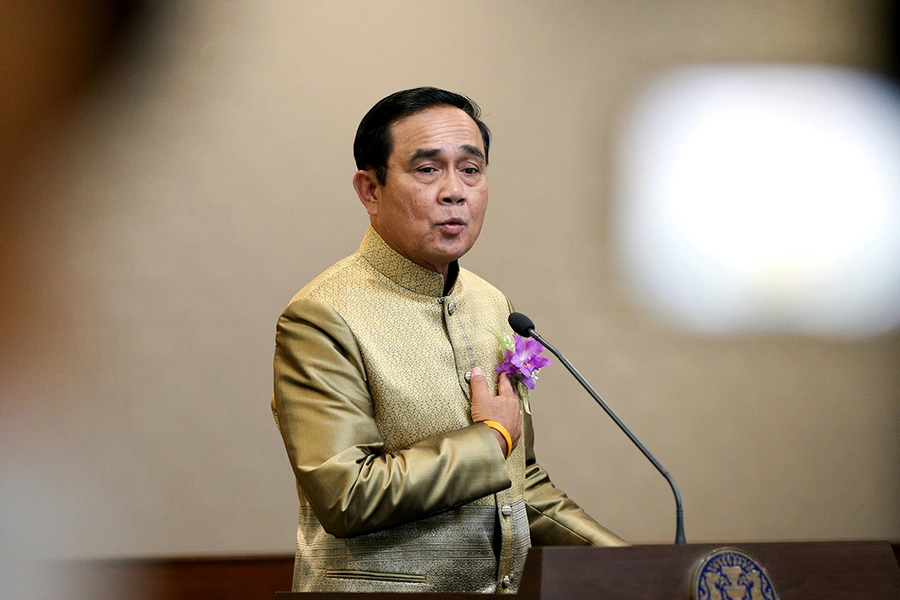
column 798, row 571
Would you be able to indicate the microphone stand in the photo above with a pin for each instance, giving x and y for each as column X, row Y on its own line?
column 679, row 510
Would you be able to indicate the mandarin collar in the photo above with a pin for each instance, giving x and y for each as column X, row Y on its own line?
column 403, row 271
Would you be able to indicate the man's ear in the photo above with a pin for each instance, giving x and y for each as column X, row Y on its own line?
column 366, row 185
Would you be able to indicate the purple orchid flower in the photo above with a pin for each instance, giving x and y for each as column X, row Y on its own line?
column 522, row 362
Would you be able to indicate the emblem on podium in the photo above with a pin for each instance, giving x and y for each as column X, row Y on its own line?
column 729, row 574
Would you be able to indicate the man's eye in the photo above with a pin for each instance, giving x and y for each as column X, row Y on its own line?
column 427, row 170
column 470, row 170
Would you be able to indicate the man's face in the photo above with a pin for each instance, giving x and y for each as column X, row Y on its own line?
column 432, row 204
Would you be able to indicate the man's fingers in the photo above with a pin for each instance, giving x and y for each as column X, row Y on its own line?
column 504, row 385
column 478, row 382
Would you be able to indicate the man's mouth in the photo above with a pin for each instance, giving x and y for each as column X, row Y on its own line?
column 452, row 225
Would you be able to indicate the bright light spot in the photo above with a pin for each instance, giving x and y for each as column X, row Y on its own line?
column 765, row 198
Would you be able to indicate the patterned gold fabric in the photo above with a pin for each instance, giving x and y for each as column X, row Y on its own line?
column 373, row 403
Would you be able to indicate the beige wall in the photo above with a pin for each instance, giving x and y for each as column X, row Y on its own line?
column 195, row 191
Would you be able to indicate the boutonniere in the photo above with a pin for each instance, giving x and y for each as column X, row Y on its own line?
column 521, row 362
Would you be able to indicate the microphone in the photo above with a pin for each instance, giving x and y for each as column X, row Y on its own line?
column 525, row 328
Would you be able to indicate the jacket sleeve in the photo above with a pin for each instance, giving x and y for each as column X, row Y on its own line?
column 555, row 519
column 326, row 417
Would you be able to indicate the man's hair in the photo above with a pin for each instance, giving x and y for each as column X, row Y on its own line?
column 373, row 144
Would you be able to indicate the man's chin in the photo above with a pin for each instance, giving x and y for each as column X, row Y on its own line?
column 454, row 251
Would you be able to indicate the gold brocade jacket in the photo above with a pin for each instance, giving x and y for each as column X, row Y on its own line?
column 398, row 490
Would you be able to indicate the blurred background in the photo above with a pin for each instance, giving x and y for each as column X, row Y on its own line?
column 696, row 201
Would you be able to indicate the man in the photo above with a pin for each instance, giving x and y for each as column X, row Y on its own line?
column 414, row 462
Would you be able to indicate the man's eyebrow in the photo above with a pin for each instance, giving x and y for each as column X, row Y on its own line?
column 468, row 149
column 473, row 151
column 424, row 153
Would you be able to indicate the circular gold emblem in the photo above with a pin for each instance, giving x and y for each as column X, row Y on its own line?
column 729, row 574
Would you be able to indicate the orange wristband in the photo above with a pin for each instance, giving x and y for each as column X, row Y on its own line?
column 500, row 428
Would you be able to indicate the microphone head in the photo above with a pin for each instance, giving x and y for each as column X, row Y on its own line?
column 521, row 324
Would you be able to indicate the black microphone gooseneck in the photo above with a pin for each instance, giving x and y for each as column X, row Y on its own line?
column 525, row 327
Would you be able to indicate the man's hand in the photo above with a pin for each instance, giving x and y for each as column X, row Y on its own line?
column 502, row 408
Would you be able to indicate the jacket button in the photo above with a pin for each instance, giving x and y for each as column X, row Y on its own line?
column 506, row 582
column 468, row 376
column 451, row 308
column 506, row 510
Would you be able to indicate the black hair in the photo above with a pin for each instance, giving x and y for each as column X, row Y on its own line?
column 373, row 143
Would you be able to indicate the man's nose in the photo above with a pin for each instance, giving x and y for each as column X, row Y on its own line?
column 453, row 191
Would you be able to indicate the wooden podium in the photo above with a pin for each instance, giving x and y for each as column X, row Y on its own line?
column 798, row 571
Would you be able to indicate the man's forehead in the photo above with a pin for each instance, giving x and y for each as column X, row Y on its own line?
column 434, row 130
